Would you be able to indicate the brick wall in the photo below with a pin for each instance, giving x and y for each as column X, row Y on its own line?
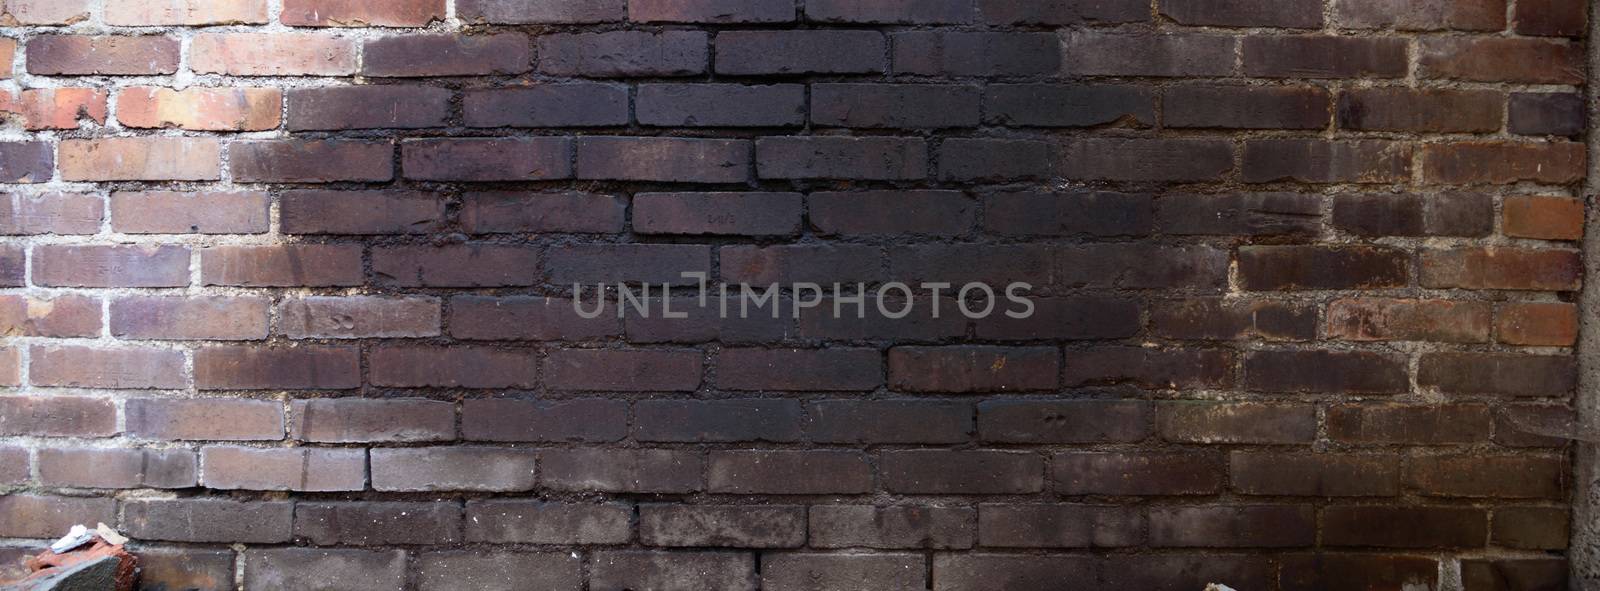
column 287, row 291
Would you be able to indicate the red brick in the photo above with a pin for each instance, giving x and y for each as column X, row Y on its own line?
column 456, row 469
column 1547, row 324
column 46, row 12
column 1314, row 475
column 358, row 317
column 1272, row 526
column 1548, row 218
column 1380, row 319
column 354, row 420
column 57, row 108
column 1504, row 374
column 58, row 416
column 138, row 13
column 1501, row 268
column 359, row 13
column 947, row 472
column 487, row 159
column 1476, row 475
column 446, row 55
column 311, row 161
column 302, row 469
column 1093, row 53
column 1249, row 422
column 516, row 12
column 111, row 266
column 84, row 55
column 272, row 54
column 1324, row 57
column 1127, row 474
column 1295, row 14
column 1429, row 110
column 51, row 213
column 463, row 265
column 454, row 367
column 360, row 212
column 162, row 212
column 1423, row 15
column 309, row 265
column 583, row 419
column 623, row 370
column 35, row 516
column 1503, row 163
column 63, row 316
column 205, row 419
column 1408, row 424
column 221, row 318
column 388, row 106
column 1554, row 18
column 1498, row 59
column 745, row 214
column 141, row 159
column 277, row 368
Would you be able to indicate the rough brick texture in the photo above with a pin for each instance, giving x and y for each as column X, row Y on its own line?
column 302, row 294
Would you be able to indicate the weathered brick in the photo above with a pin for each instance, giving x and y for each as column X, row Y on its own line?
column 272, row 54
column 1094, row 53
column 822, row 264
column 1058, row 526
column 185, row 568
column 1535, row 425
column 840, row 526
column 47, row 12
column 222, row 318
column 1499, row 476
column 1272, row 268
column 1497, row 574
column 86, row 55
column 59, row 416
column 111, row 266
column 62, row 316
column 789, row 472
column 627, row 263
column 1442, row 214
column 1245, row 422
column 1404, row 527
column 405, row 366
column 936, row 213
column 1506, row 374
column 910, row 106
column 311, row 161
column 1314, row 475
column 116, row 468
column 309, row 568
column 1215, row 319
column 446, row 55
column 27, row 162
column 1079, row 421
column 498, row 571
column 360, row 212
column 452, row 469
column 1324, row 57
column 35, row 516
column 751, row 214
column 1246, row 107
column 973, row 369
column 208, row 520
column 888, row 421
column 456, row 265
column 359, row 317
column 1494, row 59
column 1086, row 317
column 368, row 107
column 891, row 11
column 890, row 572
column 1071, row 213
column 622, row 470
column 532, row 522
column 1501, row 268
column 1326, row 371
column 835, row 369
column 309, row 265
column 518, row 12
column 355, row 420
column 1408, row 424
column 621, row 570
column 1122, row 474
column 584, row 419
column 141, row 159
column 1503, row 163
column 680, row 160
column 377, row 524
column 1062, row 105
column 1381, row 319
column 309, row 367
column 506, row 212
column 1425, row 15
column 929, row 53
column 56, row 108
column 357, row 13
column 1336, row 571
column 1543, row 217
column 1546, row 113
column 526, row 318
column 1018, row 572
column 1233, row 526
column 624, row 53
column 730, row 526
column 13, row 265
column 711, row 11
column 1532, row 528
column 309, row 470
column 1295, row 14
column 576, row 104
column 623, row 370
column 164, row 212
column 1149, row 160
column 716, row 420
column 1549, row 324
column 1429, row 110
column 50, row 213
column 1318, row 161
column 961, row 472
column 1148, row 368
column 487, row 159
column 136, row 13
column 801, row 52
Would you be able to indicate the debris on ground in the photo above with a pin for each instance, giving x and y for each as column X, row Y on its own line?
column 83, row 560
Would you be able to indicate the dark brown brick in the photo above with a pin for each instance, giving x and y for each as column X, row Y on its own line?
column 1124, row 474
column 624, row 53
column 1314, row 475
column 744, row 214
column 497, row 571
column 838, row 369
column 116, row 468
column 185, row 568
column 377, row 524
column 504, row 213
column 1496, row 163
column 205, row 419
column 50, row 213
column 973, row 369
column 1078, row 421
column 1546, row 113
column 533, row 522
column 863, row 526
column 1431, row 110
column 1148, row 368
column 1505, row 374
column 162, row 212
column 283, row 469
column 1508, row 574
column 903, row 106
column 888, row 421
column 26, row 162
column 62, row 316
column 623, row 370
column 1380, row 319
column 679, row 160
column 220, row 318
column 1246, row 107
column 59, row 416
column 1058, row 526
column 1441, row 214
column 759, row 267
column 311, row 161
column 1215, row 319
column 1426, row 15
column 83, row 55
column 1063, row 12
column 1324, row 57
column 1355, row 372
column 627, row 263
column 1531, row 528
column 34, row 516
column 1497, row 59
column 1075, row 105
column 1245, row 422
column 1496, row 476
column 890, row 572
column 292, row 265
column 801, row 52
column 1318, row 161
column 711, row 11
column 1295, row 14
column 516, row 12
column 861, row 158
column 1356, row 572
column 1094, row 53
column 404, row 366
column 930, row 53
column 277, row 368
column 1404, row 527
column 1239, row 526
column 447, row 55
column 961, row 472
column 1408, row 424
column 716, row 420
column 487, row 159
column 1501, row 268
column 54, row 366
column 354, row 420
column 1275, row 268
column 457, row 265
column 579, row 104
column 935, row 213
column 583, row 419
column 1150, row 160
column 789, row 472
column 1013, row 572
column 358, row 317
